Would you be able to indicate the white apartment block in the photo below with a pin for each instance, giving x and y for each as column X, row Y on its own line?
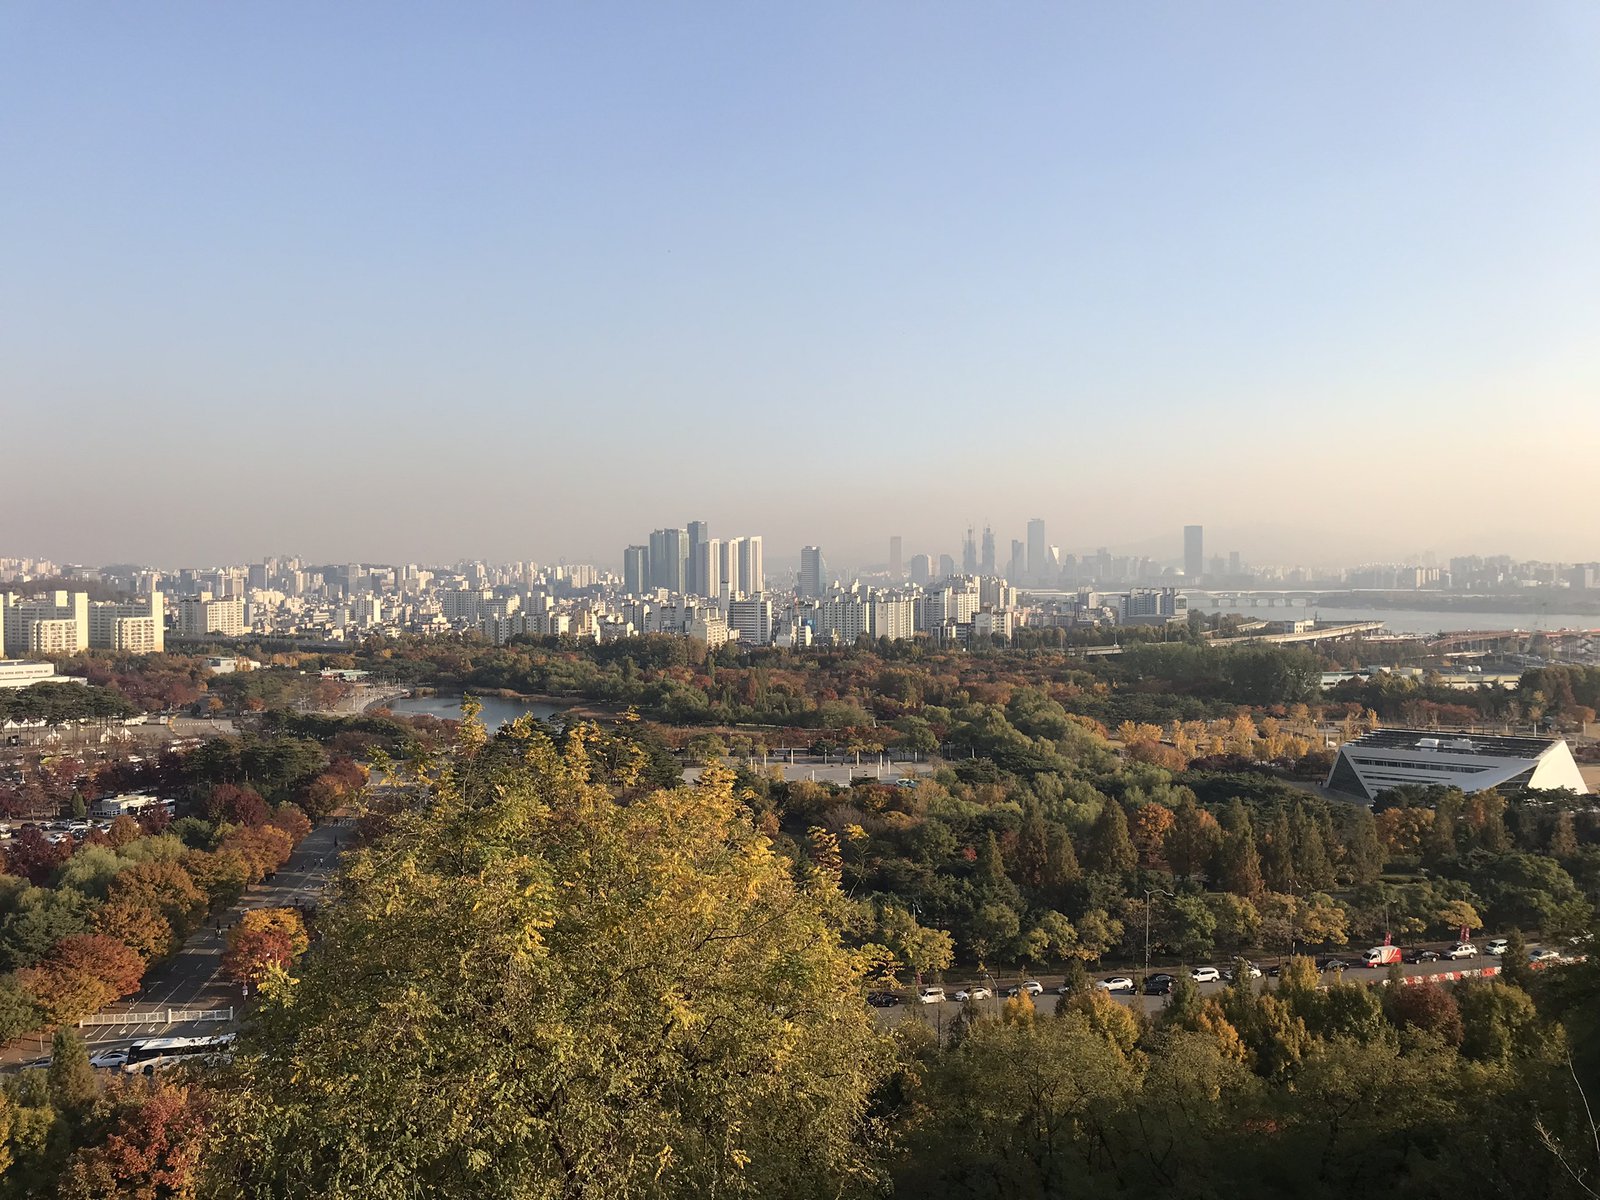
column 201, row 616
column 134, row 627
column 56, row 623
column 893, row 618
column 752, row 620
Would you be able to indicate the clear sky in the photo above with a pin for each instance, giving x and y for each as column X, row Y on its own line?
column 393, row 281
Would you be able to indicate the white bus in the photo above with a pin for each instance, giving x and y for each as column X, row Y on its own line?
column 155, row 1054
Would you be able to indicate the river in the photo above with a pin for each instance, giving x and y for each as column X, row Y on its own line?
column 496, row 712
column 1419, row 620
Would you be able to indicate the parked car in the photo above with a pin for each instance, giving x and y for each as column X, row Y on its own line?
column 876, row 999
column 931, row 995
column 1543, row 954
column 1251, row 971
column 1422, row 956
column 1462, row 950
column 1117, row 983
column 976, row 992
column 1205, row 975
column 1497, row 946
column 1332, row 964
column 1032, row 986
column 1158, row 985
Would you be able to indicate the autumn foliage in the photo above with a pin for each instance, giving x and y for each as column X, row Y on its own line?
column 265, row 940
column 83, row 973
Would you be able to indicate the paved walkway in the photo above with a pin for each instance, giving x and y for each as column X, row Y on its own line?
column 192, row 978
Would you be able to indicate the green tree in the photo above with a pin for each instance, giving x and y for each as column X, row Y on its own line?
column 601, row 997
column 1193, row 838
column 1111, row 848
column 1563, row 842
column 1514, row 966
column 1364, row 855
column 1311, row 866
column 73, row 1086
column 1239, row 865
column 1277, row 854
column 1497, row 1022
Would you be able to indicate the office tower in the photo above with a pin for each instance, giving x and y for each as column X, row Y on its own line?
column 752, row 576
column 669, row 554
column 729, row 566
column 708, row 568
column 969, row 554
column 921, row 569
column 636, row 570
column 896, row 563
column 1019, row 561
column 988, row 551
column 693, row 583
column 1194, row 543
column 1234, row 565
column 947, row 566
column 811, row 582
column 1038, row 551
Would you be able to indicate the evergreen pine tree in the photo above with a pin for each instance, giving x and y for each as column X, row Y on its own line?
column 1563, row 841
column 1240, row 863
column 1310, row 852
column 1113, row 848
column 73, row 1086
column 1277, row 854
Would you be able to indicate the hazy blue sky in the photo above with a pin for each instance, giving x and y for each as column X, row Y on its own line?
column 396, row 281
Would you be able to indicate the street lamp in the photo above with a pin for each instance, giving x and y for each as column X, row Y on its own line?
column 1150, row 892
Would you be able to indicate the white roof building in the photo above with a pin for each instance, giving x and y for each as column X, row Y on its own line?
column 1387, row 758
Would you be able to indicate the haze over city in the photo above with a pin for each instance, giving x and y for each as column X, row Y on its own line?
column 408, row 284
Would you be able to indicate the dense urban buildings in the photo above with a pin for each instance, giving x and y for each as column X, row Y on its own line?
column 684, row 581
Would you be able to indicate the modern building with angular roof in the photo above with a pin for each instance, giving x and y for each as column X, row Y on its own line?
column 1473, row 762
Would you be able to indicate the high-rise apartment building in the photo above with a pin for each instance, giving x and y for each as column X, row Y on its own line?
column 811, row 571
column 752, row 618
column 1038, row 551
column 55, row 623
column 699, row 532
column 752, row 572
column 134, row 627
column 708, row 577
column 1194, row 552
column 669, row 559
column 201, row 616
column 636, row 570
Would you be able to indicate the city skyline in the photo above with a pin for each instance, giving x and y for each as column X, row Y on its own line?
column 1280, row 271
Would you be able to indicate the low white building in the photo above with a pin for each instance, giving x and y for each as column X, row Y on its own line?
column 1388, row 758
column 26, row 674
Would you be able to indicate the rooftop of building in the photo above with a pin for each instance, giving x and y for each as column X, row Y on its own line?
column 1494, row 745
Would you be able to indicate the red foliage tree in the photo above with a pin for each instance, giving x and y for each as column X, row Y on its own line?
column 292, row 821
column 1428, row 1007
column 34, row 857
column 153, row 1149
column 237, row 805
column 84, row 972
column 253, row 954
